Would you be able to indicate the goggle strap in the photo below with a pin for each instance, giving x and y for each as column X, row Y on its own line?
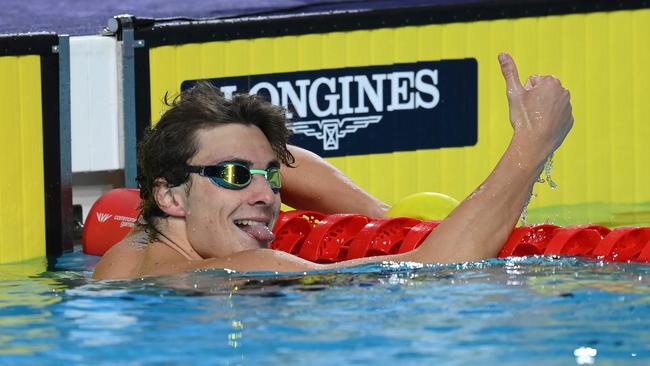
column 200, row 170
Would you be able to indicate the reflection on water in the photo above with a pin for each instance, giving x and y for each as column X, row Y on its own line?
column 25, row 295
column 538, row 310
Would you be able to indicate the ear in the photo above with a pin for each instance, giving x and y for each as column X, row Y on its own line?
column 171, row 200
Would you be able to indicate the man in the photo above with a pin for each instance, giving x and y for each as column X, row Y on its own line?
column 211, row 185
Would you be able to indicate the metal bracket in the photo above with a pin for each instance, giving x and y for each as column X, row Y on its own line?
column 125, row 25
column 65, row 138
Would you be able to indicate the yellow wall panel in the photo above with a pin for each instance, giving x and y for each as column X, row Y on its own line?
column 601, row 57
column 22, row 197
column 640, row 56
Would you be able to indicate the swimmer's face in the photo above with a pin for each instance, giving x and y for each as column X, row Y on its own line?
column 223, row 221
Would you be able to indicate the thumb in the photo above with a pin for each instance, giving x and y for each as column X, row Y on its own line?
column 510, row 73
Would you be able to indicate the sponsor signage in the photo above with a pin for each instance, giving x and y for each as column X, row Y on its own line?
column 373, row 109
column 125, row 221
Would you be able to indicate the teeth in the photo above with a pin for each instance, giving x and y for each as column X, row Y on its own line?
column 248, row 223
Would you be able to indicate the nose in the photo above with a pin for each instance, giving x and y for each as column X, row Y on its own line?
column 260, row 191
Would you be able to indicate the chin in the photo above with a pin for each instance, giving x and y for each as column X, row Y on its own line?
column 248, row 243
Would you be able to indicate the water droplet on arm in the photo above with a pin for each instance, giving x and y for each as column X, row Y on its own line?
column 548, row 167
column 524, row 213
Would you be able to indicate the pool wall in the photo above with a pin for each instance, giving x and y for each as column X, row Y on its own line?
column 35, row 189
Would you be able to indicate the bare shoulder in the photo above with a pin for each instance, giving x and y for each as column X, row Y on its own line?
column 124, row 259
column 162, row 260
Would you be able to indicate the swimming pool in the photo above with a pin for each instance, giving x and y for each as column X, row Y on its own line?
column 536, row 310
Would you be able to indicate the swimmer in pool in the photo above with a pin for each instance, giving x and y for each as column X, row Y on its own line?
column 212, row 172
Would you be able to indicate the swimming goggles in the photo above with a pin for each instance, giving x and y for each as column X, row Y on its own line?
column 234, row 175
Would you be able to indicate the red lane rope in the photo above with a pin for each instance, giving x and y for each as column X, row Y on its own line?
column 326, row 239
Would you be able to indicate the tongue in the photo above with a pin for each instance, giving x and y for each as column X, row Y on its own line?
column 259, row 232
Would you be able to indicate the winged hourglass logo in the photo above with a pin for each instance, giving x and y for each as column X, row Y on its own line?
column 333, row 129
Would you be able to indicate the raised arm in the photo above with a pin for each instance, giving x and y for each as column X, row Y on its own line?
column 315, row 184
column 540, row 114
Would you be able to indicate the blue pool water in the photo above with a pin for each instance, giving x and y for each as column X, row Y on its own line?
column 537, row 311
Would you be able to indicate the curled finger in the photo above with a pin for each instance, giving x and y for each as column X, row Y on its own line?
column 534, row 80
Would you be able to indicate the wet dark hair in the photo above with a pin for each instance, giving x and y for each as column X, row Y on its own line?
column 169, row 145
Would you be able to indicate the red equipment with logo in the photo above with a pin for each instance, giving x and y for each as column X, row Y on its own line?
column 110, row 219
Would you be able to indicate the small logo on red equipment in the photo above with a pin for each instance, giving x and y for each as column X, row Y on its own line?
column 103, row 217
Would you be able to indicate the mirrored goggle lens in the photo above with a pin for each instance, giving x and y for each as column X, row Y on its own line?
column 231, row 175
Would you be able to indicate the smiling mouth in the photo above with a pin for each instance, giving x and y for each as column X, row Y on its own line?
column 258, row 230
column 242, row 223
